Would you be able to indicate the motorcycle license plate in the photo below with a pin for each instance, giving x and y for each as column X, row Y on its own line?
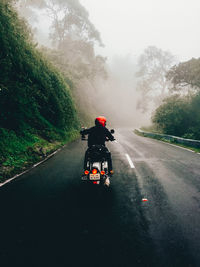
column 95, row 176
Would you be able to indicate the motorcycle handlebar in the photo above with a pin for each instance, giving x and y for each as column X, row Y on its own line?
column 107, row 140
column 83, row 138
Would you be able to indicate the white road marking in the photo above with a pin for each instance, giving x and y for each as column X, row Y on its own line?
column 130, row 162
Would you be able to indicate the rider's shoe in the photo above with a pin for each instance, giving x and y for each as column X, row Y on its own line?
column 107, row 182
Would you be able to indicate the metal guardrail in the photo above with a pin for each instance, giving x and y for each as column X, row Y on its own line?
column 174, row 139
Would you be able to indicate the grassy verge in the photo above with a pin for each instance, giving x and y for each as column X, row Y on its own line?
column 197, row 150
column 18, row 153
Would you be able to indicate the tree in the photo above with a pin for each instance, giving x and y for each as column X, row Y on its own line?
column 180, row 114
column 153, row 65
column 72, row 35
column 73, row 39
column 185, row 76
column 172, row 117
column 69, row 19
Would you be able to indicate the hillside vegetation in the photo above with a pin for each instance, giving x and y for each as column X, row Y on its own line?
column 70, row 43
column 37, row 113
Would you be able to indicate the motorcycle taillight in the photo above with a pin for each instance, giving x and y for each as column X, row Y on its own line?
column 94, row 171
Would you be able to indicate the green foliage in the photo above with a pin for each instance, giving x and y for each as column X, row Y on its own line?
column 18, row 152
column 37, row 113
column 172, row 116
column 73, row 38
column 32, row 93
column 193, row 131
column 179, row 116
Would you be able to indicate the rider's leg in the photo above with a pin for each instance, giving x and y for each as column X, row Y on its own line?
column 86, row 159
column 110, row 168
column 109, row 159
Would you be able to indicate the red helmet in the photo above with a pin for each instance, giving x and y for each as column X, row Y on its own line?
column 101, row 120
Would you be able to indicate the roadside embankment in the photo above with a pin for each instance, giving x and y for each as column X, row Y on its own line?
column 20, row 153
column 37, row 110
column 188, row 143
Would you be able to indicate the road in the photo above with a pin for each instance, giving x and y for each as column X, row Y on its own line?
column 50, row 218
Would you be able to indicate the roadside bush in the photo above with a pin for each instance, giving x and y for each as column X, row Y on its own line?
column 173, row 115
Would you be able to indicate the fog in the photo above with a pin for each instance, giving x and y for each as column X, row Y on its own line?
column 118, row 95
column 127, row 28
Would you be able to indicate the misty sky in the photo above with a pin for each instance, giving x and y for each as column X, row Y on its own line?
column 129, row 26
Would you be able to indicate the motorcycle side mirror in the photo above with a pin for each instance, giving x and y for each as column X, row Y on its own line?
column 112, row 131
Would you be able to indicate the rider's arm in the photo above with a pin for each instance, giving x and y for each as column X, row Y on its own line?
column 84, row 132
column 109, row 135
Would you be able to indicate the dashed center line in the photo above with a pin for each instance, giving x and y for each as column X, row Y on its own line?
column 130, row 161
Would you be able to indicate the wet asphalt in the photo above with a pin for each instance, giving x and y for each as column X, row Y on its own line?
column 49, row 217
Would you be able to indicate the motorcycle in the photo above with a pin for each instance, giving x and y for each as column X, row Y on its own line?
column 97, row 165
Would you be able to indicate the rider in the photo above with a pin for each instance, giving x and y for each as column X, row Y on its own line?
column 97, row 135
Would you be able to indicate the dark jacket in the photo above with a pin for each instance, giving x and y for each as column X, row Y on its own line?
column 97, row 135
